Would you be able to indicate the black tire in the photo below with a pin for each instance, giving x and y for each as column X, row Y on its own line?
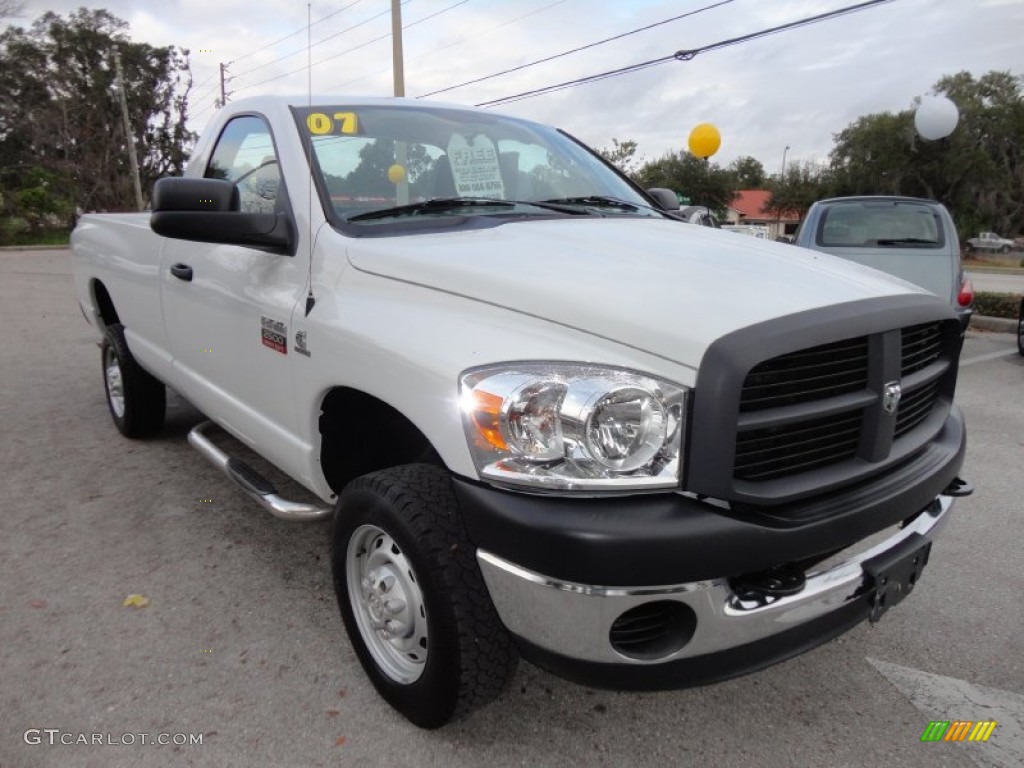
column 138, row 409
column 1004, row 249
column 1020, row 328
column 469, row 655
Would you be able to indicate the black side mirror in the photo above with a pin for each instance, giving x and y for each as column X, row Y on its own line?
column 207, row 210
column 665, row 198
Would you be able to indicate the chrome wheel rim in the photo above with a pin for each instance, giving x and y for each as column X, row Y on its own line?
column 115, row 382
column 387, row 604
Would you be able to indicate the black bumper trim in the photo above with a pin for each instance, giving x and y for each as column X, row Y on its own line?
column 663, row 539
column 709, row 668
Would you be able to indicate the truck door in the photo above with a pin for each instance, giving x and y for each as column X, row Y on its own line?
column 227, row 308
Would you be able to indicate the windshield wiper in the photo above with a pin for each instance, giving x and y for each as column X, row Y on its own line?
column 443, row 204
column 438, row 204
column 598, row 201
column 906, row 241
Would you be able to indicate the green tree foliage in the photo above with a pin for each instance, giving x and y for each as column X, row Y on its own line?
column 10, row 8
column 977, row 172
column 370, row 176
column 62, row 138
column 622, row 154
column 802, row 185
column 705, row 183
column 748, row 173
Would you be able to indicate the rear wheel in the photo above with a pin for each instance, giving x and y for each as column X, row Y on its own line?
column 1020, row 328
column 137, row 401
column 412, row 596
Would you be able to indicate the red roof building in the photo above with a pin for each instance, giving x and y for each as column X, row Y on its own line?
column 750, row 206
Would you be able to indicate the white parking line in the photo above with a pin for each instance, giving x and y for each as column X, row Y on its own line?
column 987, row 356
column 947, row 698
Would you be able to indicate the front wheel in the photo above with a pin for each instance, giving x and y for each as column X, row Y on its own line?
column 412, row 597
column 1004, row 249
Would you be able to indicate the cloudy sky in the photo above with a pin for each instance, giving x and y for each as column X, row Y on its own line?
column 795, row 88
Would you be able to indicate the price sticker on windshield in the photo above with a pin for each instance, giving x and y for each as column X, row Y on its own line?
column 321, row 124
column 475, row 167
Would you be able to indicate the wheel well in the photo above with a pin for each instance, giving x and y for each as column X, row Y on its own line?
column 362, row 434
column 104, row 304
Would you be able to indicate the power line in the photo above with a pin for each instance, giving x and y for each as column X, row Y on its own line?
column 356, row 48
column 197, row 88
column 411, row 24
column 574, row 50
column 318, row 42
column 691, row 54
column 458, row 41
column 203, row 111
column 683, row 55
column 578, row 81
column 296, row 32
column 209, row 89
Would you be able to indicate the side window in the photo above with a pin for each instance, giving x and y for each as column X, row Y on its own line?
column 245, row 155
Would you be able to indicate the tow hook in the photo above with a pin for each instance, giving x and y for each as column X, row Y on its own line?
column 766, row 587
column 959, row 487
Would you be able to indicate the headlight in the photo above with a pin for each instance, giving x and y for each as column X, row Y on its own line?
column 573, row 427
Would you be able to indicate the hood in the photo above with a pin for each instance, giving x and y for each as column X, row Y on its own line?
column 664, row 287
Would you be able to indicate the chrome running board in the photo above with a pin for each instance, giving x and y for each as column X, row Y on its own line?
column 252, row 482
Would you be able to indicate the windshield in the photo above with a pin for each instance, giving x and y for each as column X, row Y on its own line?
column 881, row 224
column 372, row 159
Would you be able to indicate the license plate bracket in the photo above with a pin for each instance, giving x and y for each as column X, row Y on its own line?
column 891, row 576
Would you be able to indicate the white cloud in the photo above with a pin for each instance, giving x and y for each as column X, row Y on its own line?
column 796, row 88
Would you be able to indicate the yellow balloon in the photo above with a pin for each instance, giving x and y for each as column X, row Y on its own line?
column 396, row 174
column 705, row 140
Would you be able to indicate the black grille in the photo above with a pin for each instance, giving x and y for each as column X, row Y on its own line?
column 807, row 375
column 799, row 419
column 922, row 345
column 915, row 407
column 763, row 454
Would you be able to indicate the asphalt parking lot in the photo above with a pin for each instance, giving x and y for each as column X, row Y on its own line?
column 241, row 641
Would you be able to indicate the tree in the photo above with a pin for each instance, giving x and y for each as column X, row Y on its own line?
column 370, row 176
column 10, row 8
column 703, row 182
column 802, row 185
column 748, row 173
column 977, row 172
column 60, row 116
column 622, row 155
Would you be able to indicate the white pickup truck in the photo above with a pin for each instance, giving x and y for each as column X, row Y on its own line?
column 548, row 419
column 989, row 241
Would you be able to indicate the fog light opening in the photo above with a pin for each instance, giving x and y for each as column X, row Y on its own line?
column 653, row 630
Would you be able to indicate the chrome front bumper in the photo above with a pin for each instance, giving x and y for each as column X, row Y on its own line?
column 574, row 620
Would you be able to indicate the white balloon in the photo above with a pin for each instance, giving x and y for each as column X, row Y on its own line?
column 936, row 117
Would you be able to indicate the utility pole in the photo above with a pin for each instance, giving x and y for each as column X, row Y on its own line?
column 398, row 66
column 396, row 47
column 779, row 229
column 129, row 137
column 223, row 94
